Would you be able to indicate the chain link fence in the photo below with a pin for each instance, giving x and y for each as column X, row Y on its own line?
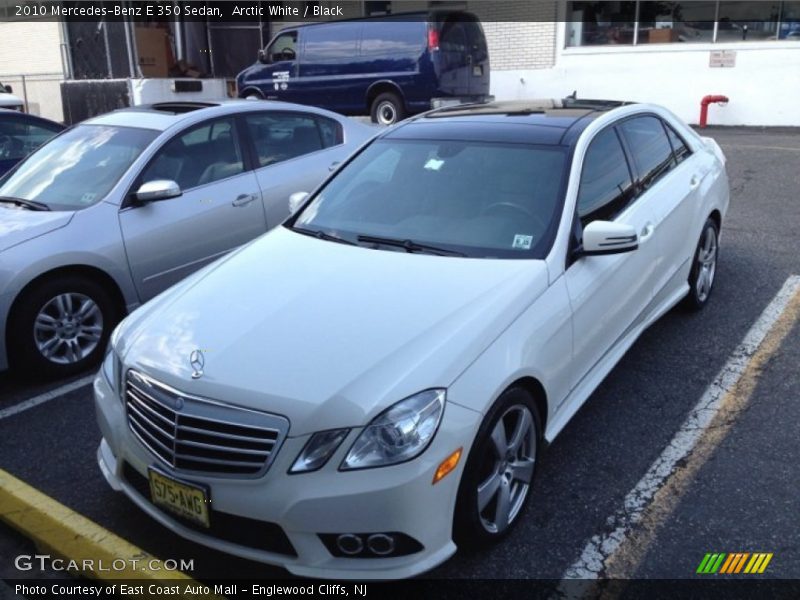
column 41, row 93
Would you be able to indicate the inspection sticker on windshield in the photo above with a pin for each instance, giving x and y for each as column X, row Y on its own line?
column 88, row 197
column 522, row 242
column 434, row 164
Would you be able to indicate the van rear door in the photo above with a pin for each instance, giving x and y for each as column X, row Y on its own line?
column 463, row 59
column 478, row 80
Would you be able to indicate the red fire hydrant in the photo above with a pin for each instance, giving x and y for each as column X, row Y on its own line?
column 704, row 107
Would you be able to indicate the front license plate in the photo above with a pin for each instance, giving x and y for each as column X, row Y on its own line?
column 184, row 499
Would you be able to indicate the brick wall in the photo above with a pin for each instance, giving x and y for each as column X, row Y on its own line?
column 521, row 33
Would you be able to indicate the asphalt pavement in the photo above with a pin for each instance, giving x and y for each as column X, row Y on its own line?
column 743, row 499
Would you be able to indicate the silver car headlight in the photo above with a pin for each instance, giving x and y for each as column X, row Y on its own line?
column 398, row 434
column 318, row 450
column 111, row 369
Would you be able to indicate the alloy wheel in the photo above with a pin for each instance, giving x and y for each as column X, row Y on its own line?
column 706, row 264
column 508, row 469
column 68, row 328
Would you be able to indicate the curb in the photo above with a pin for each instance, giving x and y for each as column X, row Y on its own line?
column 65, row 534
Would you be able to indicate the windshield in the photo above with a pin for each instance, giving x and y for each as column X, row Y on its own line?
column 78, row 168
column 473, row 198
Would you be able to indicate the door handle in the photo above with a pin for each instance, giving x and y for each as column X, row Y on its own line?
column 647, row 231
column 243, row 200
column 334, row 166
column 694, row 181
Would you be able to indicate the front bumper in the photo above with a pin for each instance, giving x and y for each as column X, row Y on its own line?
column 400, row 498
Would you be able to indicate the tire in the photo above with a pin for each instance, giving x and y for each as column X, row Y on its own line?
column 478, row 519
column 704, row 267
column 253, row 96
column 61, row 326
column 387, row 109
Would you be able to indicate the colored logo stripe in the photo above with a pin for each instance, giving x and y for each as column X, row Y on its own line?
column 711, row 563
column 759, row 562
column 729, row 564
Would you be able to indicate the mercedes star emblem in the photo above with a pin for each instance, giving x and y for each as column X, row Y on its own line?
column 198, row 361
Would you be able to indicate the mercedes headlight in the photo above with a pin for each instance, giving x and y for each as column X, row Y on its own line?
column 111, row 369
column 398, row 434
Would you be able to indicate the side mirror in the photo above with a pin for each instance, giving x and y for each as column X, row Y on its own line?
column 263, row 57
column 606, row 237
column 9, row 89
column 157, row 189
column 296, row 200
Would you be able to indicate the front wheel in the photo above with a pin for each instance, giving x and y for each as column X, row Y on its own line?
column 497, row 478
column 387, row 109
column 61, row 326
column 704, row 267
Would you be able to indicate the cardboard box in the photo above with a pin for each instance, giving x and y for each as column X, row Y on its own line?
column 662, row 36
column 152, row 46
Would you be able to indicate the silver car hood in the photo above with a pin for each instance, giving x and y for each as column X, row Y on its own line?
column 325, row 334
column 19, row 225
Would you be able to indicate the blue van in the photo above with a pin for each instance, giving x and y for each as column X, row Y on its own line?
column 388, row 67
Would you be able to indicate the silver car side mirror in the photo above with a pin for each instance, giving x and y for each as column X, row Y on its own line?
column 158, row 189
column 607, row 237
column 296, row 201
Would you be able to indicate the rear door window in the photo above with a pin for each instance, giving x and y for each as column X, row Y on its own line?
column 679, row 147
column 606, row 187
column 650, row 148
column 279, row 136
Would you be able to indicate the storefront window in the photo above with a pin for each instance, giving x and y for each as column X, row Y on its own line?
column 667, row 22
column 690, row 21
column 748, row 21
column 600, row 23
column 789, row 28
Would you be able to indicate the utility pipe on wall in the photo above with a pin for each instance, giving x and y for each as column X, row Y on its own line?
column 710, row 99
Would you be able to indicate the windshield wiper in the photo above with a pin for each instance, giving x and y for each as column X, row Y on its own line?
column 321, row 235
column 408, row 245
column 29, row 204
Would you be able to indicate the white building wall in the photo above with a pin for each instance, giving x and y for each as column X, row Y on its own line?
column 763, row 87
column 33, row 49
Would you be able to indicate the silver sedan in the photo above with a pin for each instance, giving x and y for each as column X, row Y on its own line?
column 117, row 209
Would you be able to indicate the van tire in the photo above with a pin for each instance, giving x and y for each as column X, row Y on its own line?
column 387, row 109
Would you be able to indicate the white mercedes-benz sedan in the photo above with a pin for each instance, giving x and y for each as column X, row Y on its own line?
column 362, row 390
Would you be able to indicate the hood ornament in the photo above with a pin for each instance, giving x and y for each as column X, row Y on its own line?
column 197, row 361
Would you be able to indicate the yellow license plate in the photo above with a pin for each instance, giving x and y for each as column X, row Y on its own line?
column 183, row 499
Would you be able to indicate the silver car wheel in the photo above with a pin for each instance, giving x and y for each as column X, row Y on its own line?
column 387, row 113
column 502, row 493
column 706, row 264
column 68, row 328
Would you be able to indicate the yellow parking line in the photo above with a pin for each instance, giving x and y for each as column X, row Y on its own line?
column 624, row 561
column 64, row 534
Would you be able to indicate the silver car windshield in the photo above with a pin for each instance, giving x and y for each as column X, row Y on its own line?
column 77, row 168
column 472, row 199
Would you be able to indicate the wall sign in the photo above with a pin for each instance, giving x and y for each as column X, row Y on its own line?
column 722, row 59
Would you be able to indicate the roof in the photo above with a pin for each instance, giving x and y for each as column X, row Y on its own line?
column 163, row 115
column 550, row 122
column 420, row 16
